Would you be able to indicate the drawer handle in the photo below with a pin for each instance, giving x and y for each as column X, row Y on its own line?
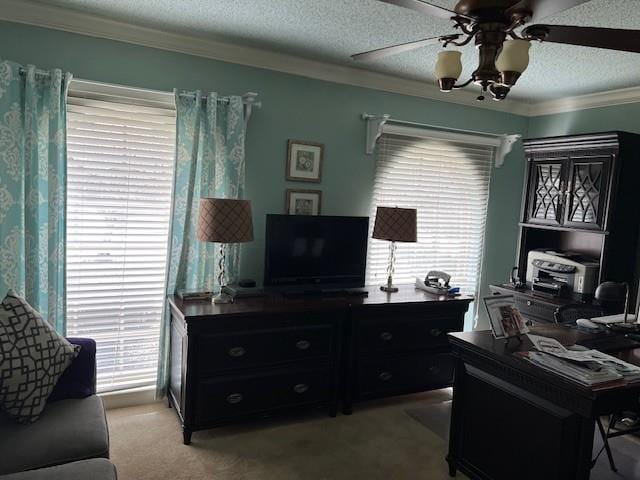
column 386, row 336
column 235, row 398
column 529, row 303
column 385, row 376
column 237, row 352
column 303, row 344
column 433, row 370
column 301, row 388
column 435, row 332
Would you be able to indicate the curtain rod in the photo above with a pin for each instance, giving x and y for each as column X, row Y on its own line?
column 375, row 123
column 43, row 73
column 388, row 119
column 249, row 99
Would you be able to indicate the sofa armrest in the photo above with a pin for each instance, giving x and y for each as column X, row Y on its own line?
column 79, row 379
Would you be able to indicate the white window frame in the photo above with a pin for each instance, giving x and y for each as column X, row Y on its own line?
column 140, row 158
column 407, row 259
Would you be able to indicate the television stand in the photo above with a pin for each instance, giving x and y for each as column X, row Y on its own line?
column 333, row 292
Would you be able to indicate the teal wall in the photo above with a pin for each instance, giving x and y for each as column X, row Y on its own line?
column 619, row 117
column 293, row 107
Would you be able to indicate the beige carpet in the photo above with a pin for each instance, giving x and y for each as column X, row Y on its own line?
column 379, row 441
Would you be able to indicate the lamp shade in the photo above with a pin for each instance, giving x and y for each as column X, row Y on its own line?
column 223, row 220
column 395, row 224
column 514, row 56
column 449, row 64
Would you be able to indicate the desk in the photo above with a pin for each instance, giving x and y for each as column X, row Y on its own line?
column 511, row 419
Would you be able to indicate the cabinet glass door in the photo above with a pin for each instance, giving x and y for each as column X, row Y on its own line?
column 586, row 198
column 546, row 192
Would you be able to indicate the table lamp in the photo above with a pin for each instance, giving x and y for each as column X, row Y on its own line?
column 396, row 225
column 224, row 221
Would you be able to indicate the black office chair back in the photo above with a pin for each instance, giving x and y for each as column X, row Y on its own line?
column 572, row 312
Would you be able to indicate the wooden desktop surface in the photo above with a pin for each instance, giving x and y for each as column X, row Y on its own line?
column 483, row 342
column 272, row 302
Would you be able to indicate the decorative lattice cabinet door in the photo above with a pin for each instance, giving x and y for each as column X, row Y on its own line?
column 546, row 191
column 588, row 183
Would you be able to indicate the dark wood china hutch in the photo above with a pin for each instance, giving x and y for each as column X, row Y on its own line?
column 581, row 194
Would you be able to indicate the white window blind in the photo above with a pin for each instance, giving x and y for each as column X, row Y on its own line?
column 120, row 164
column 448, row 183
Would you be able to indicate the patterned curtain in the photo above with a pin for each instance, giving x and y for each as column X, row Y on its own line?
column 33, row 187
column 209, row 163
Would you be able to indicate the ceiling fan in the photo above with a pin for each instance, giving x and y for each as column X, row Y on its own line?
column 503, row 52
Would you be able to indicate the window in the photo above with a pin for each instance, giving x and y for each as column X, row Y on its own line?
column 120, row 165
column 448, row 182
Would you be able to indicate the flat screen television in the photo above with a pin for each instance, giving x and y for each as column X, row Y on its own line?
column 305, row 252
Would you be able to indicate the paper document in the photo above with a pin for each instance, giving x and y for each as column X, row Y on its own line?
column 619, row 318
column 596, row 365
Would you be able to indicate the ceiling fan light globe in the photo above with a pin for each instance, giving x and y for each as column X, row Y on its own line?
column 449, row 65
column 514, row 56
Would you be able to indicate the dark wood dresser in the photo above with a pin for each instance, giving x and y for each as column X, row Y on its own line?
column 263, row 356
column 580, row 195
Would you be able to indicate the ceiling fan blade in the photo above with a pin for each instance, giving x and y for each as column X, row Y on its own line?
column 610, row 38
column 424, row 7
column 393, row 50
column 544, row 8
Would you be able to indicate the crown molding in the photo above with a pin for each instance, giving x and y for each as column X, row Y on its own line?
column 57, row 18
column 621, row 96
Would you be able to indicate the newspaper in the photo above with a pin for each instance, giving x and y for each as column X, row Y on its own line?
column 586, row 366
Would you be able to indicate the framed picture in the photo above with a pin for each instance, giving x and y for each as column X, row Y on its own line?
column 303, row 202
column 504, row 316
column 304, row 161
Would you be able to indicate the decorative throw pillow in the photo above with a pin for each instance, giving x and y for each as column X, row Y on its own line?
column 32, row 358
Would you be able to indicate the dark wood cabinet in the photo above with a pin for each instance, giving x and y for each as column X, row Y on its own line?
column 398, row 349
column 569, row 190
column 263, row 356
column 580, row 195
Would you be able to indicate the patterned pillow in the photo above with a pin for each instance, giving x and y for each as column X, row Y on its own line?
column 32, row 358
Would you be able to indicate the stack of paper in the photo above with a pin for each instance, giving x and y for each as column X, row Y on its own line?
column 577, row 373
column 588, row 367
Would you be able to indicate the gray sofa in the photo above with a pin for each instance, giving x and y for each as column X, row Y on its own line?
column 70, row 440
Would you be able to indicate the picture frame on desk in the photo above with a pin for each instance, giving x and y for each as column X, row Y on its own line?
column 504, row 317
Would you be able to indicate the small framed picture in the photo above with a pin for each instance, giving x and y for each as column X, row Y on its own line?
column 303, row 202
column 505, row 318
column 304, row 161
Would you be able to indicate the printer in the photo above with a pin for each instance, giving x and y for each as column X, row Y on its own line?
column 561, row 273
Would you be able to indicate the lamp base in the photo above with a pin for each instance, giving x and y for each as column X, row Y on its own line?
column 388, row 288
column 222, row 298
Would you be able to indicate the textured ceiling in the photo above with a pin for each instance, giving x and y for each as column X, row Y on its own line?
column 332, row 30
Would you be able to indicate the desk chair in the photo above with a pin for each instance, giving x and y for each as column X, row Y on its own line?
column 568, row 314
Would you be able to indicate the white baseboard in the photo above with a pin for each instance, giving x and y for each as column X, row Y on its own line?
column 129, row 398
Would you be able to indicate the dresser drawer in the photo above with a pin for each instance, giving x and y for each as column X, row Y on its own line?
column 227, row 397
column 397, row 334
column 261, row 348
column 406, row 373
